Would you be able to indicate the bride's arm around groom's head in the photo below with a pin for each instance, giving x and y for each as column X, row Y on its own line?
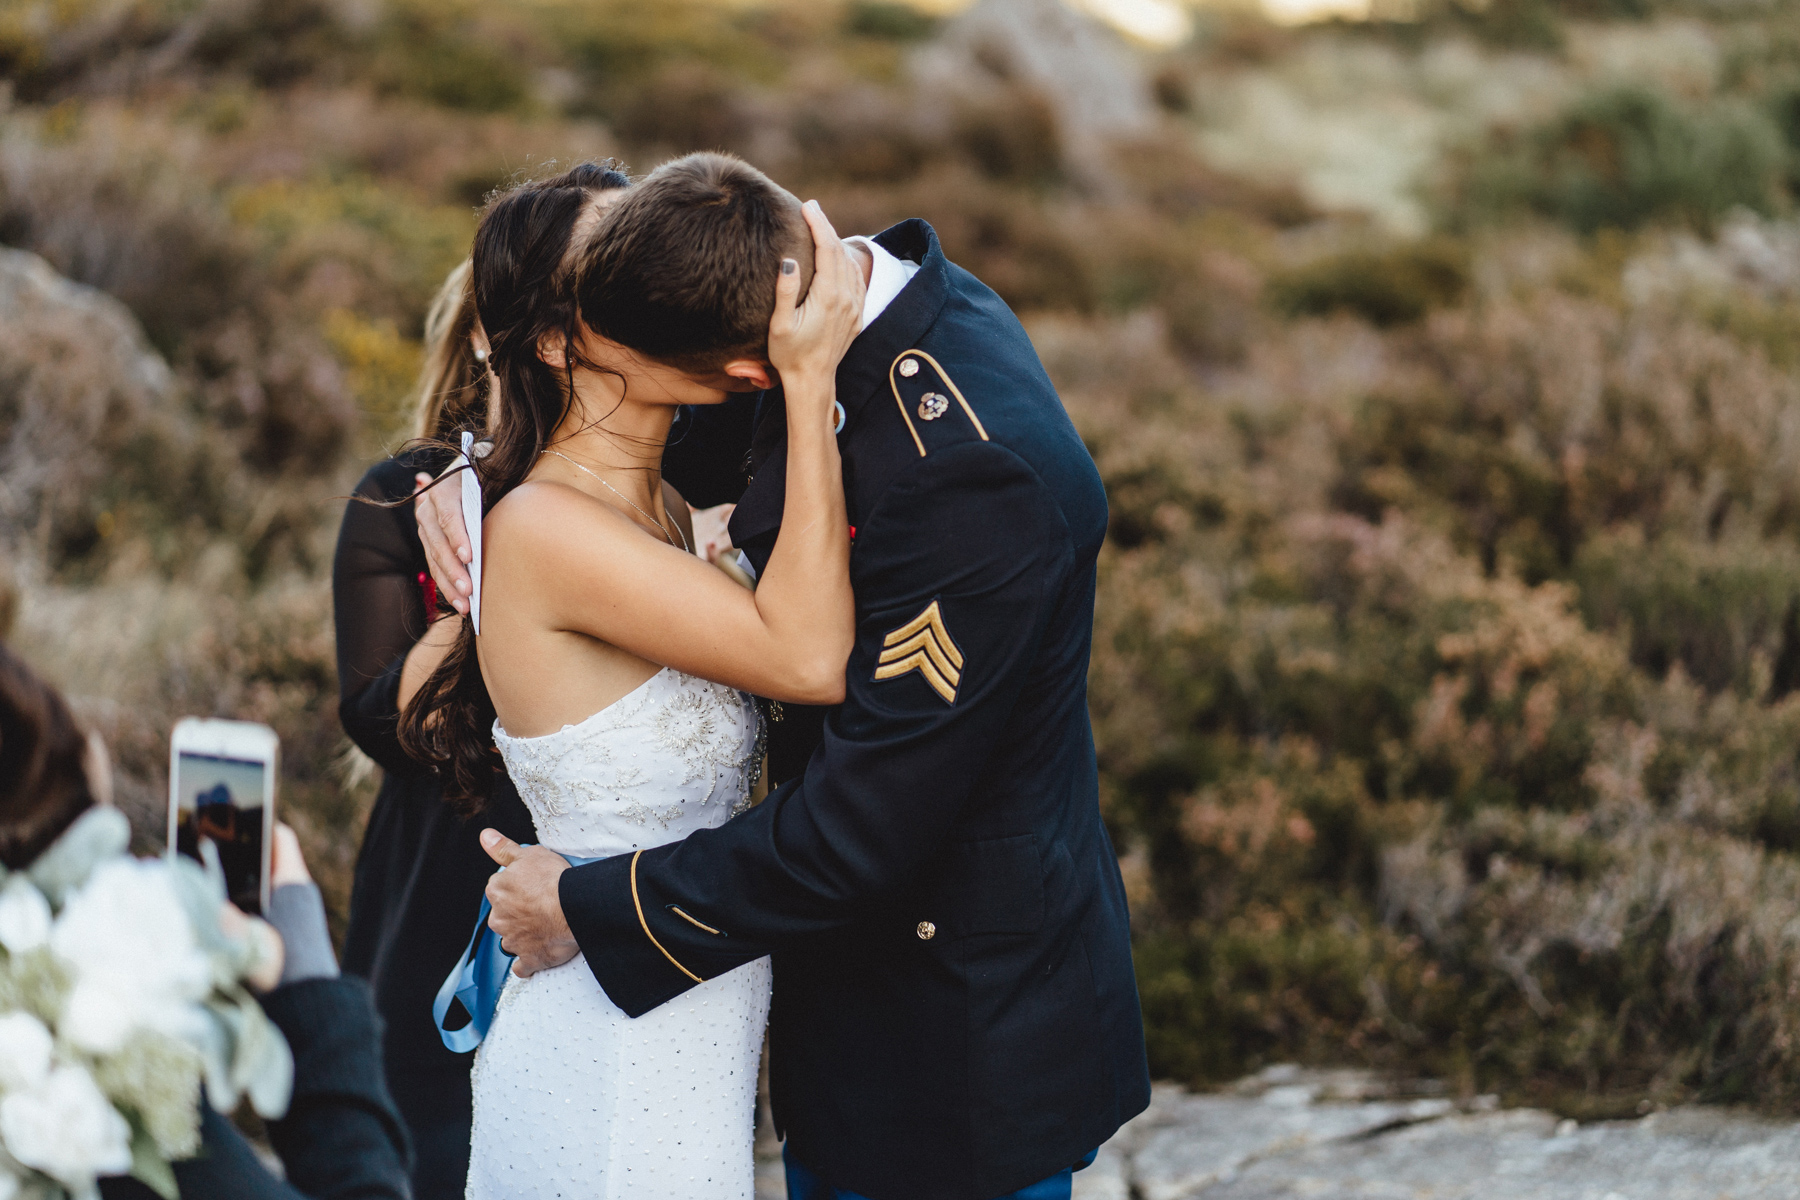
column 588, row 567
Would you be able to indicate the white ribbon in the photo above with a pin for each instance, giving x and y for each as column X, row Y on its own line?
column 471, row 511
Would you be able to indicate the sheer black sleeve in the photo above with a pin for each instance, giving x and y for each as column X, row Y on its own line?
column 379, row 606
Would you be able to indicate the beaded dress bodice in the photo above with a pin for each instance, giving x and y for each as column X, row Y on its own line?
column 676, row 755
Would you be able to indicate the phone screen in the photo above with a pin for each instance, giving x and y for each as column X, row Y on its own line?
column 220, row 800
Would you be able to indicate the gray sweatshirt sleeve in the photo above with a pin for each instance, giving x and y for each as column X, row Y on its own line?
column 297, row 911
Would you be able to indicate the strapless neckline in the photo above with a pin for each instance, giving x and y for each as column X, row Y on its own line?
column 674, row 755
column 593, row 718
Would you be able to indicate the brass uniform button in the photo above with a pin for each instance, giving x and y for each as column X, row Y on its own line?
column 927, row 931
column 909, row 367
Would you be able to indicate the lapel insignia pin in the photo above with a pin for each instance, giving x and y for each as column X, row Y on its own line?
column 924, row 645
column 933, row 405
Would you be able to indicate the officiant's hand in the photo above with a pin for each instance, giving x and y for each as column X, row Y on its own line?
column 438, row 511
column 528, row 913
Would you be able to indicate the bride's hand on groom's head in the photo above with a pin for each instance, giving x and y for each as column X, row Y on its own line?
column 527, row 909
column 807, row 339
column 438, row 510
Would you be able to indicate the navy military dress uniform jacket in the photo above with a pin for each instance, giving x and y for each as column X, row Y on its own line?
column 955, row 1014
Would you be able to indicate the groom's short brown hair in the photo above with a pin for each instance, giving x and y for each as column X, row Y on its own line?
column 683, row 269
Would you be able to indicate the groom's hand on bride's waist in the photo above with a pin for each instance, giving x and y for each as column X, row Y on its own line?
column 445, row 538
column 528, row 913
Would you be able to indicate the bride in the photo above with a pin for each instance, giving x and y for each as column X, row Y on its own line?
column 611, row 672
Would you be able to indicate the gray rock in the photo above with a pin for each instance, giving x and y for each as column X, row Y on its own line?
column 771, row 1179
column 1093, row 80
column 1525, row 1155
column 1107, row 1178
column 1207, row 1139
column 1289, row 1134
column 32, row 291
column 79, row 388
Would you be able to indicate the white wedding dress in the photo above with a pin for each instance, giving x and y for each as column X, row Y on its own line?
column 574, row 1099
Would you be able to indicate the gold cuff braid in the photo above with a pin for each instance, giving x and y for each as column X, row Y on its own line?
column 646, row 925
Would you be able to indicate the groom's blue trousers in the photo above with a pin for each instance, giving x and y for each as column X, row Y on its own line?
column 802, row 1184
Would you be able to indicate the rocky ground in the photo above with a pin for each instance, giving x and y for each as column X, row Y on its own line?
column 1288, row 1134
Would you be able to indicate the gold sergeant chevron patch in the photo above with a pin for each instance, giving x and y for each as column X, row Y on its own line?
column 924, row 645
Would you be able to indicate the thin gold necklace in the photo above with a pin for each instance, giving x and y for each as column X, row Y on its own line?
column 627, row 499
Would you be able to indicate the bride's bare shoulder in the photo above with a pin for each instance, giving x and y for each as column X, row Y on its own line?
column 541, row 513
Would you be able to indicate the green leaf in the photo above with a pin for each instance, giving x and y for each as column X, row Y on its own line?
column 149, row 1167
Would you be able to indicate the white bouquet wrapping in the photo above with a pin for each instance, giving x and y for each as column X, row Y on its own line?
column 122, row 1000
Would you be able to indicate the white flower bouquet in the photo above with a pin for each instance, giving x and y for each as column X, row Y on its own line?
column 122, row 1000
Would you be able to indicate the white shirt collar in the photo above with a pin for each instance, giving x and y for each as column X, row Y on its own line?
column 888, row 277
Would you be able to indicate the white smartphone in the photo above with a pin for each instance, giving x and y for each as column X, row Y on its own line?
column 222, row 801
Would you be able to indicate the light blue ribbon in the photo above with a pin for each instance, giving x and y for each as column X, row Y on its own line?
column 477, row 980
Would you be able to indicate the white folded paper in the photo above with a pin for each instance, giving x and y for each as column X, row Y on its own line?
column 471, row 510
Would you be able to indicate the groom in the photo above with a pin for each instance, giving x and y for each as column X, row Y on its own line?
column 955, row 1015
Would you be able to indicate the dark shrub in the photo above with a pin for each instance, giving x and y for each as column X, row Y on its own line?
column 1175, row 180
column 685, row 107
column 862, row 135
column 1784, row 108
column 277, row 43
column 1716, row 609
column 890, row 22
column 1385, row 287
column 1625, row 156
column 616, row 45
column 1514, row 24
column 1434, row 453
column 1013, row 138
column 433, row 56
column 1173, row 90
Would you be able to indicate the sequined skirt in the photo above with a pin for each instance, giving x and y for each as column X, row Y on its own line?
column 575, row 1100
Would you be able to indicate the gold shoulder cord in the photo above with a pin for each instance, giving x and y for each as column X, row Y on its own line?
column 950, row 383
column 646, row 925
column 904, row 415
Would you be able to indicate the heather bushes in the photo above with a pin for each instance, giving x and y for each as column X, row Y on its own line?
column 1387, row 287
column 1443, row 691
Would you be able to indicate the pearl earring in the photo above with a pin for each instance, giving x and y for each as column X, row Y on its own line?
column 481, row 354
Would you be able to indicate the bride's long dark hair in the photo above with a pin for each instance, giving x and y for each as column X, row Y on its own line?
column 523, row 259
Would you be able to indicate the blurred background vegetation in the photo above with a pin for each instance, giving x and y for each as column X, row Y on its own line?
column 1440, row 358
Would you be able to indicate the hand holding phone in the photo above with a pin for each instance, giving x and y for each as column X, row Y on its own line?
column 222, row 802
